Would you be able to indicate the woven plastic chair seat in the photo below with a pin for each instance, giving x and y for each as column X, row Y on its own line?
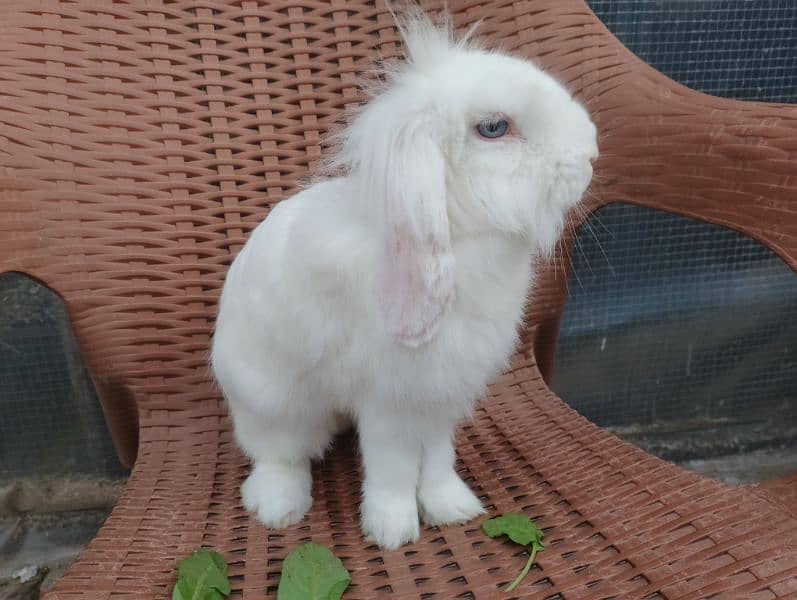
column 140, row 142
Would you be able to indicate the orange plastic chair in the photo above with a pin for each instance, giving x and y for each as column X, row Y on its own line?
column 140, row 142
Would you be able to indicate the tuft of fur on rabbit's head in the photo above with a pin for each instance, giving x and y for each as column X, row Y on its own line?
column 459, row 141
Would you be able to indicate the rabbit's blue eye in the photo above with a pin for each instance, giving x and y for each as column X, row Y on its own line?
column 493, row 128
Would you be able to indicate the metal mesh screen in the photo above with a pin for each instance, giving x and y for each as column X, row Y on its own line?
column 674, row 324
column 679, row 335
column 51, row 422
column 744, row 49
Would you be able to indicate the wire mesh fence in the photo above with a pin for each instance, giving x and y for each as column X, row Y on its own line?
column 678, row 334
column 743, row 49
column 670, row 319
column 51, row 422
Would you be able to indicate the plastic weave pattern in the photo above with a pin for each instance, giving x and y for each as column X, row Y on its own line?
column 142, row 140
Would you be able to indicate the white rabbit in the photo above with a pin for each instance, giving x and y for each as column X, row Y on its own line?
column 392, row 294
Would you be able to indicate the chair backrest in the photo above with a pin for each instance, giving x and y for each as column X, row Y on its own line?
column 141, row 142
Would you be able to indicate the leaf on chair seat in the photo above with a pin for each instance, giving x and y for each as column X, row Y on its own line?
column 521, row 530
column 518, row 528
column 312, row 572
column 202, row 576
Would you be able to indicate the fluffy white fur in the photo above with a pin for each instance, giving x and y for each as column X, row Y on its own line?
column 392, row 295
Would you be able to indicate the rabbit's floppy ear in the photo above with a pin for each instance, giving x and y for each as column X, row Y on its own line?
column 404, row 178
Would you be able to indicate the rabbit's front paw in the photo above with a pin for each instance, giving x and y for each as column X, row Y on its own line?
column 278, row 494
column 390, row 520
column 448, row 500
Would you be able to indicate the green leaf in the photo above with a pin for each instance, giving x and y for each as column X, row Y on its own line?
column 202, row 576
column 312, row 572
column 519, row 528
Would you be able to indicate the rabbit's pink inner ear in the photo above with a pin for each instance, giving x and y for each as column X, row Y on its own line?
column 417, row 287
column 405, row 172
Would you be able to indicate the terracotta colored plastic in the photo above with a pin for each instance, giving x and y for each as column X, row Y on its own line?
column 141, row 141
